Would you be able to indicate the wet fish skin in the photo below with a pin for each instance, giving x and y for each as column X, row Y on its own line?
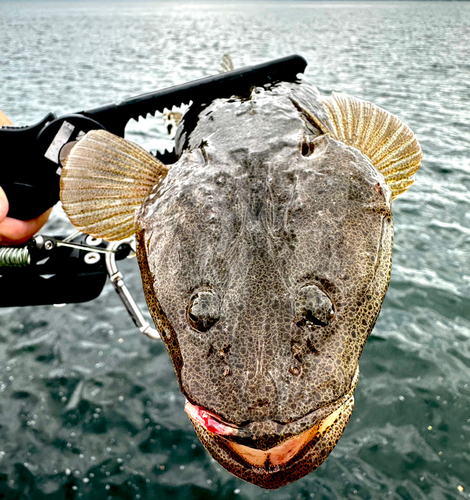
column 251, row 218
column 265, row 253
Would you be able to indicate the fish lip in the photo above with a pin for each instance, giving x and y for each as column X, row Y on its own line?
column 269, row 434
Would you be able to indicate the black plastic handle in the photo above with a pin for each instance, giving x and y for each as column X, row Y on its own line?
column 30, row 171
column 114, row 117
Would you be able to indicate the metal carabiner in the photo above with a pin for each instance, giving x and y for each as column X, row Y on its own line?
column 117, row 281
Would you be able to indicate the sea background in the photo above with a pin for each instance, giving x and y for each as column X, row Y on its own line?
column 90, row 408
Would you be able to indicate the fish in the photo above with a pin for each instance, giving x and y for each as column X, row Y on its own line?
column 265, row 253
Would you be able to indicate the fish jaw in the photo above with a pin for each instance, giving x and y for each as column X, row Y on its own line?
column 294, row 456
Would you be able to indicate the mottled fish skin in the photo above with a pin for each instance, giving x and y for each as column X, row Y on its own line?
column 265, row 256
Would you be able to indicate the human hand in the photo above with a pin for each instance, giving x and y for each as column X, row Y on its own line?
column 15, row 231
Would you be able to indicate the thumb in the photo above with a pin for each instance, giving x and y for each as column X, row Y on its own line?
column 4, row 120
column 4, row 206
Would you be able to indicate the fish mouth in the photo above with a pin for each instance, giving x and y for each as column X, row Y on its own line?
column 271, row 454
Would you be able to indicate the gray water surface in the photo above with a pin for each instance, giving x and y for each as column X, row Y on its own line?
column 90, row 409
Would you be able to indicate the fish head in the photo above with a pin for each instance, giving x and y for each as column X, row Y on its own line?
column 265, row 291
column 265, row 255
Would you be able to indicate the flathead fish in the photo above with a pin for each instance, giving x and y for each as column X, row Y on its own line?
column 265, row 253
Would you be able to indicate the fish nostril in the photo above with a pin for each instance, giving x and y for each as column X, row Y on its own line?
column 296, row 349
column 223, row 353
column 295, row 369
column 312, row 348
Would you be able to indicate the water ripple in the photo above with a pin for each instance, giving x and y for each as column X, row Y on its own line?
column 90, row 409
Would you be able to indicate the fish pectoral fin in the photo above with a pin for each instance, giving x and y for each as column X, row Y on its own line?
column 104, row 181
column 387, row 141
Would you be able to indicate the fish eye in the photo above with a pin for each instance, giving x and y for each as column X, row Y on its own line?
column 203, row 310
column 313, row 307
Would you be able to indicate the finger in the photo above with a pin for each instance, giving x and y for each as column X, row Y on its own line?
column 14, row 231
column 4, row 206
column 4, row 120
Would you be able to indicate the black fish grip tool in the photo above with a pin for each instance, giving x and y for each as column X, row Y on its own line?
column 52, row 270
column 31, row 168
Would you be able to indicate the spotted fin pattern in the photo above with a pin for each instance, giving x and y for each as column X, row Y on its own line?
column 387, row 141
column 104, row 181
